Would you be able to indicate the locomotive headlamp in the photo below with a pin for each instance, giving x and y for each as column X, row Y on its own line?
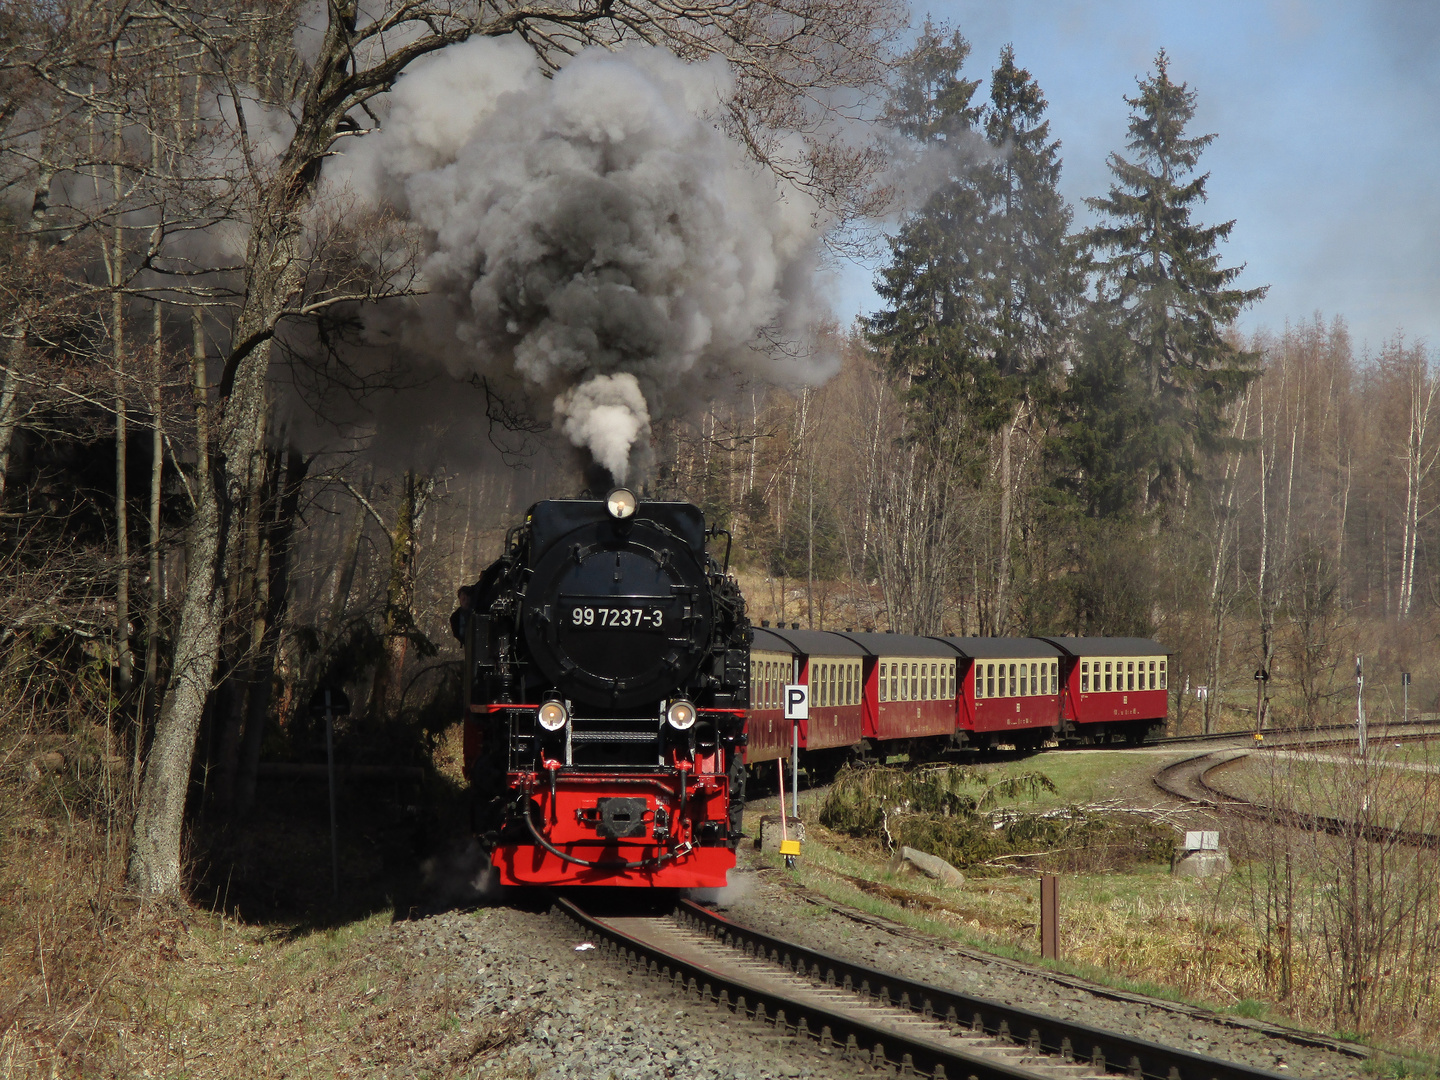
column 553, row 715
column 681, row 715
column 620, row 503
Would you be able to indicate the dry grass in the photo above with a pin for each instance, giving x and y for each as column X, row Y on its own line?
column 101, row 988
column 93, row 985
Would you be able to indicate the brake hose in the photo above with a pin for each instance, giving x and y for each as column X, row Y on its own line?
column 612, row 865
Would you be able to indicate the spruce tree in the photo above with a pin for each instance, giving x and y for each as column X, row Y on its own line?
column 983, row 278
column 928, row 284
column 1162, row 288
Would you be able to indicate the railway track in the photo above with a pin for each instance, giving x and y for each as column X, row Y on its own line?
column 875, row 1019
column 1189, row 780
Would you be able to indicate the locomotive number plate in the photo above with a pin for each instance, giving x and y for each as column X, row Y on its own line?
column 596, row 617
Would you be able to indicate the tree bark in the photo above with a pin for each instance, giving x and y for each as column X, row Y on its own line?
column 10, row 402
column 400, row 596
column 261, row 682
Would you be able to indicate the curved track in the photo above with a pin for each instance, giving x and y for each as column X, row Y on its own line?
column 873, row 1018
column 1189, row 780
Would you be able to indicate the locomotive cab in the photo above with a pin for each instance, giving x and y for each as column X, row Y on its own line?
column 608, row 661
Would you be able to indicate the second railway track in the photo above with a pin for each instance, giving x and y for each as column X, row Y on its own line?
column 1189, row 780
column 876, row 1019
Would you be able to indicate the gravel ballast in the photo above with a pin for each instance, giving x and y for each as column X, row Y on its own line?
column 539, row 1009
column 761, row 901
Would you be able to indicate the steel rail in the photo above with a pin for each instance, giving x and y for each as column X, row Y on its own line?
column 1071, row 1043
column 1066, row 1038
column 1275, row 815
column 858, row 1041
column 1299, row 734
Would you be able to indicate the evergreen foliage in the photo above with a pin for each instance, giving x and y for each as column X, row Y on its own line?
column 984, row 277
column 1163, row 290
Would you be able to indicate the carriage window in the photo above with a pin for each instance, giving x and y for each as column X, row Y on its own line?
column 1130, row 676
column 950, row 682
column 1034, row 686
column 1024, row 679
column 1162, row 674
column 933, row 686
column 894, row 682
column 884, row 686
column 1152, row 674
column 835, row 685
column 1108, row 684
column 1084, row 677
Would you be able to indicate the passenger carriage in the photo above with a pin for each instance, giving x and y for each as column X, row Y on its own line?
column 832, row 668
column 772, row 667
column 1113, row 688
column 1010, row 691
column 910, row 690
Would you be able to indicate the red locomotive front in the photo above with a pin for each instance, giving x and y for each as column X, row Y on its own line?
column 609, row 661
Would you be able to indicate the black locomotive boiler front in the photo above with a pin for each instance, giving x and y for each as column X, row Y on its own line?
column 609, row 663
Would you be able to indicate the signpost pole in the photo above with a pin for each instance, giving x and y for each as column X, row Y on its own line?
column 1405, row 688
column 795, row 766
column 1360, row 700
column 797, row 708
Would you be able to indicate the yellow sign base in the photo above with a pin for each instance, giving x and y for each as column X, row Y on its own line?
column 789, row 847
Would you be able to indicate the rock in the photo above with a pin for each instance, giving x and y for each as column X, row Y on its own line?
column 770, row 831
column 1201, row 864
column 908, row 860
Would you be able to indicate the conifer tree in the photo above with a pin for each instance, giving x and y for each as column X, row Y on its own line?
column 984, row 280
column 1163, row 290
column 927, row 284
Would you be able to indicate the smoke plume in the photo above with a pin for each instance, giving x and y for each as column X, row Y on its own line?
column 595, row 235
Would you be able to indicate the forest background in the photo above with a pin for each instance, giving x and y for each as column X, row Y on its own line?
column 1045, row 430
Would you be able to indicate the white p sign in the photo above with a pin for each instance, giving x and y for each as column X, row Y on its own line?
column 797, row 703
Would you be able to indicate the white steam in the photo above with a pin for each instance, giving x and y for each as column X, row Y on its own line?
column 595, row 234
column 606, row 415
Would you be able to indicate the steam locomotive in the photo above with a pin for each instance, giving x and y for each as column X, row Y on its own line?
column 608, row 681
column 617, row 694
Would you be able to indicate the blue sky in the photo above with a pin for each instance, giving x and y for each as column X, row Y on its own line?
column 1328, row 148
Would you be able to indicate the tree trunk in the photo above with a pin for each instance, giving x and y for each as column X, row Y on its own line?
column 154, row 869
column 150, row 702
column 261, row 682
column 124, row 658
column 400, row 596
column 1002, row 573
column 10, row 402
